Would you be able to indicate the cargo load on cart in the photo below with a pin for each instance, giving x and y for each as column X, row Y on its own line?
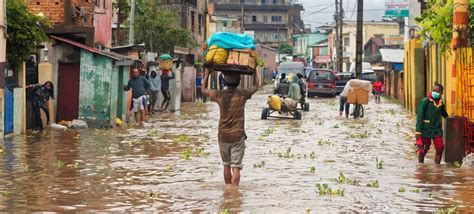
column 357, row 91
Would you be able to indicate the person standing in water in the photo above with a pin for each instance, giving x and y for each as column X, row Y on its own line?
column 231, row 134
column 165, row 89
column 428, row 124
column 154, row 90
column 139, row 86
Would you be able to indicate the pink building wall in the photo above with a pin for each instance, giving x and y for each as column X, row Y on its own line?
column 103, row 22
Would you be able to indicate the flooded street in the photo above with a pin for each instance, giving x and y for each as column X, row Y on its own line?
column 173, row 164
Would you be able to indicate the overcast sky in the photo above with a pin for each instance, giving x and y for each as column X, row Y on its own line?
column 319, row 12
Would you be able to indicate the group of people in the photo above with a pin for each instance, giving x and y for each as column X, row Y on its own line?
column 292, row 92
column 145, row 89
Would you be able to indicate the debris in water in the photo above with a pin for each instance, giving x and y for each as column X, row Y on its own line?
column 342, row 179
column 186, row 154
column 401, row 189
column 259, row 165
column 373, row 184
column 312, row 169
column 378, row 163
column 183, row 138
column 324, row 189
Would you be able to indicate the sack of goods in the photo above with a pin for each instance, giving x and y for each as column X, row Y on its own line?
column 166, row 62
column 217, row 55
column 274, row 102
column 357, row 91
column 231, row 49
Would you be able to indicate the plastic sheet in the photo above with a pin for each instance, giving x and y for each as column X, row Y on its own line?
column 231, row 41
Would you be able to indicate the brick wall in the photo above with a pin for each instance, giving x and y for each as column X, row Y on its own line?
column 54, row 10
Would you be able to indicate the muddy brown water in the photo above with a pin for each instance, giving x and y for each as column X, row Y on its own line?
column 146, row 169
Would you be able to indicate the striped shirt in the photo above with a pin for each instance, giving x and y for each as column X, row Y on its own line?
column 232, row 113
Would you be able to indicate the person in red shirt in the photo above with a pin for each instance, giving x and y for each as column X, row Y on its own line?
column 378, row 90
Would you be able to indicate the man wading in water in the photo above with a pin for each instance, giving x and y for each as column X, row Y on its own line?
column 231, row 134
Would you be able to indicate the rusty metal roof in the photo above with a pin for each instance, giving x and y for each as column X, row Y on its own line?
column 112, row 55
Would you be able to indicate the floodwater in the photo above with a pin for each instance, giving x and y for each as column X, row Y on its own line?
column 173, row 165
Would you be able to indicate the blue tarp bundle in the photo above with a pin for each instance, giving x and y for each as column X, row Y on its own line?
column 231, row 41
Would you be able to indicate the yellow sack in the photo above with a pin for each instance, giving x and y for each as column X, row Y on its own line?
column 217, row 55
column 166, row 64
column 274, row 102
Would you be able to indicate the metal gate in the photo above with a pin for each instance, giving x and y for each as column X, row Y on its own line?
column 465, row 63
column 8, row 119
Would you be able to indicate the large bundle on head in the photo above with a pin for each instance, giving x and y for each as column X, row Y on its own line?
column 231, row 49
column 166, row 62
column 357, row 91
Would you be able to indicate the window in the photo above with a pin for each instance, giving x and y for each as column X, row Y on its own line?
column 264, row 1
column 224, row 24
column 200, row 21
column 97, row 3
column 347, row 41
column 193, row 24
column 265, row 19
column 276, row 18
column 105, row 4
column 254, row 18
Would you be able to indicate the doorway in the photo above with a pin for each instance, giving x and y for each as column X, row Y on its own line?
column 68, row 91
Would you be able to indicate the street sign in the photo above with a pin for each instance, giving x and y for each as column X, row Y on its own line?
column 397, row 8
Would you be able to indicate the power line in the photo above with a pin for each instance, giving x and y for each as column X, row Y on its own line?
column 326, row 12
column 312, row 13
column 353, row 10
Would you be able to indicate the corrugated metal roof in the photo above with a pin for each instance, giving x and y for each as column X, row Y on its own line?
column 392, row 55
column 111, row 55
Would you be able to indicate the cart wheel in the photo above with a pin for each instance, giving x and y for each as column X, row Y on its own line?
column 265, row 113
column 297, row 115
column 306, row 107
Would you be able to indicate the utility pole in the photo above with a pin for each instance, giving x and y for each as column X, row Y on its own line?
column 341, row 24
column 279, row 46
column 336, row 39
column 360, row 25
column 242, row 16
column 131, row 35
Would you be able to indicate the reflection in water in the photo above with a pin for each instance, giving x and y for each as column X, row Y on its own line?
column 173, row 165
column 231, row 200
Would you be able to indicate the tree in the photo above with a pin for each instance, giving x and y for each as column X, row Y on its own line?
column 286, row 49
column 25, row 32
column 122, row 8
column 158, row 28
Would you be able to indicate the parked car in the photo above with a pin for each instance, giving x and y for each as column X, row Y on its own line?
column 341, row 80
column 321, row 82
column 369, row 75
column 290, row 69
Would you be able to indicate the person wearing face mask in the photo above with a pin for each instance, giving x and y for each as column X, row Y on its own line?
column 428, row 124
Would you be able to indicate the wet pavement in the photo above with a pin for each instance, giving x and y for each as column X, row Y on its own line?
column 173, row 164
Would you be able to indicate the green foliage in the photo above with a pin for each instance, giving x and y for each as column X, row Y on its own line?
column 312, row 169
column 122, row 7
column 373, row 184
column 378, row 163
column 324, row 189
column 25, row 32
column 437, row 23
column 286, row 49
column 342, row 179
column 159, row 28
column 402, row 189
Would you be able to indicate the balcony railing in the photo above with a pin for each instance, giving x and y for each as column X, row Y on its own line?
column 256, row 26
column 266, row 7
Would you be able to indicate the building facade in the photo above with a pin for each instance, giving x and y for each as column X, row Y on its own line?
column 103, row 14
column 379, row 29
column 192, row 16
column 3, row 59
column 272, row 22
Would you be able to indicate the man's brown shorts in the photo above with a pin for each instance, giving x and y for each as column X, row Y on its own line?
column 232, row 154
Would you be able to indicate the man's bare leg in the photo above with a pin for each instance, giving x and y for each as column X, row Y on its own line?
column 142, row 116
column 135, row 114
column 227, row 175
column 235, row 177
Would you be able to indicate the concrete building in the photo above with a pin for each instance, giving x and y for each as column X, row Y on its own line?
column 89, row 83
column 3, row 59
column 380, row 29
column 272, row 21
column 311, row 47
column 192, row 16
